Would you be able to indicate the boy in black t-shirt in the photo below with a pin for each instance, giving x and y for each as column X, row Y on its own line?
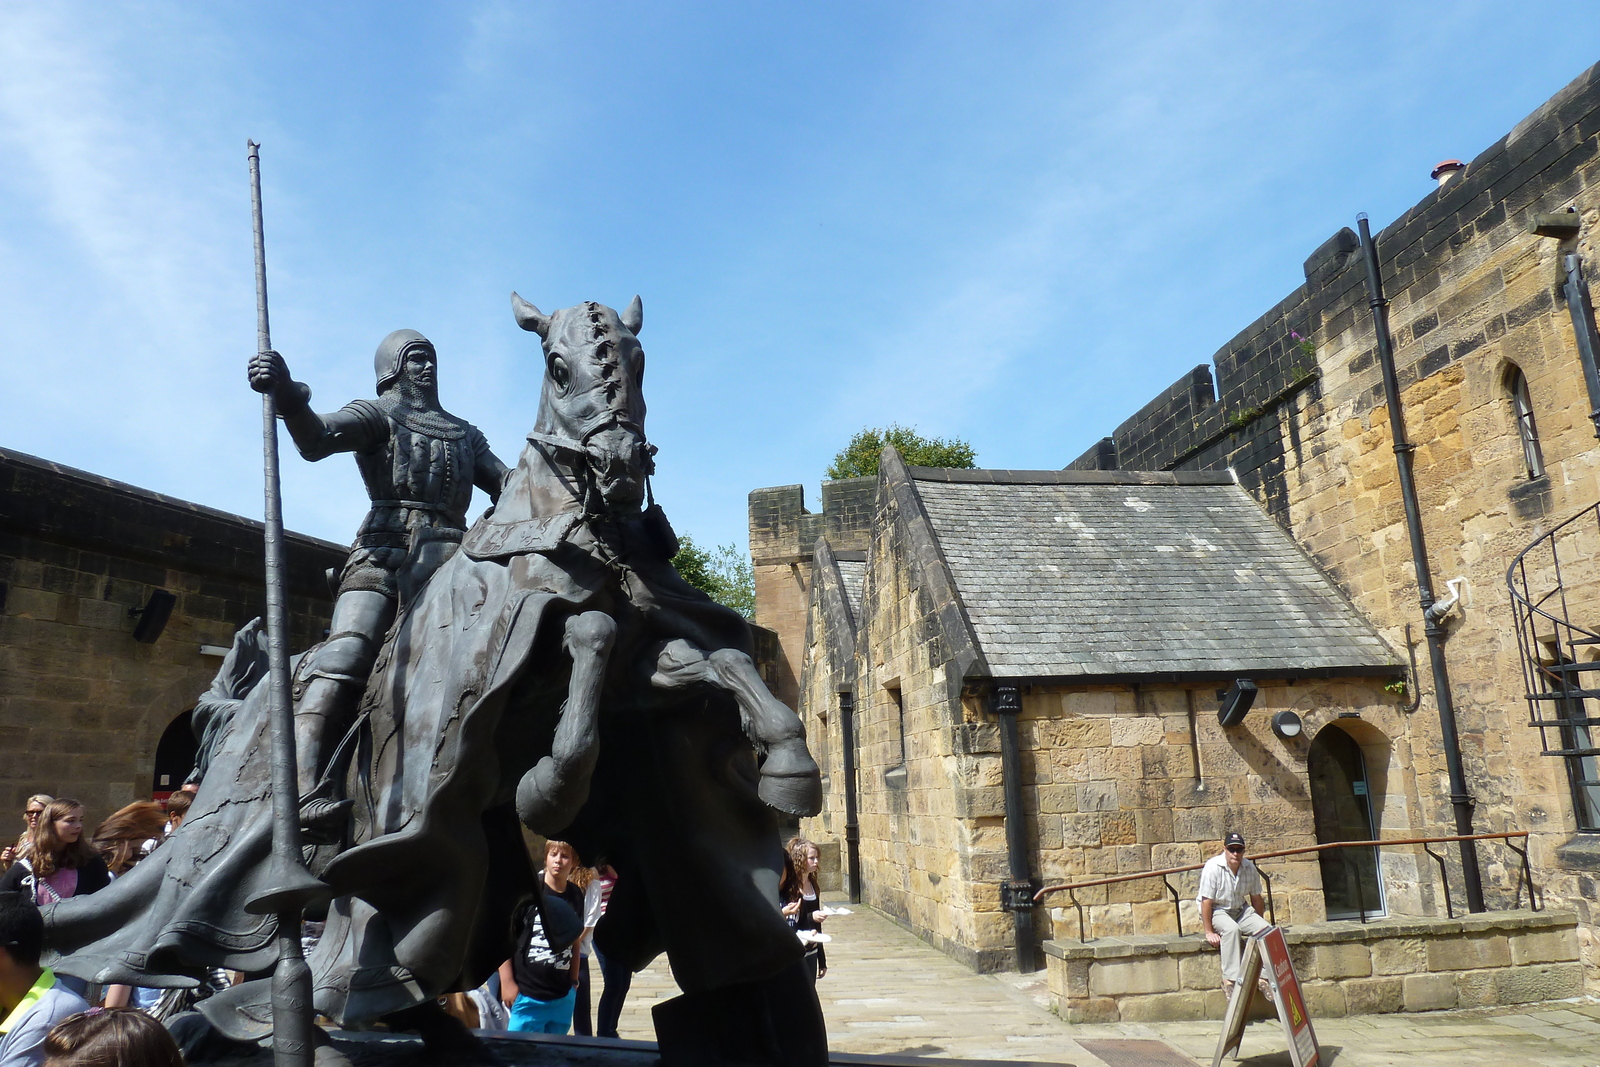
column 538, row 983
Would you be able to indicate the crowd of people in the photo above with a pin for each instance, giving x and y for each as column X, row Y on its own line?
column 545, row 987
column 47, row 1019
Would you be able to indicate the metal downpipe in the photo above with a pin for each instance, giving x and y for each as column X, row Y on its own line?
column 1016, row 896
column 852, row 826
column 1433, row 628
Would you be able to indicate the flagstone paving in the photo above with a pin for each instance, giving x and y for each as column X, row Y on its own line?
column 886, row 991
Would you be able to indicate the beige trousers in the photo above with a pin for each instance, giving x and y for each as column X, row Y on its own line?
column 1233, row 932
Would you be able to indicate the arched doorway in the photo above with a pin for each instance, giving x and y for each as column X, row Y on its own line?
column 1341, row 804
column 175, row 756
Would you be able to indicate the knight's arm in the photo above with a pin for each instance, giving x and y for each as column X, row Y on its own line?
column 353, row 428
column 489, row 474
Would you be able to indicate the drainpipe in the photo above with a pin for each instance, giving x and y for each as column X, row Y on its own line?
column 1432, row 612
column 852, row 828
column 1581, row 309
column 1016, row 896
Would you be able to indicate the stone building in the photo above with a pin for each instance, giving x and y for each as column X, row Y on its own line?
column 1488, row 349
column 87, row 710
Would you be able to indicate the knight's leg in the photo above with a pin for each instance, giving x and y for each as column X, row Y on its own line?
column 790, row 778
column 549, row 796
column 335, row 678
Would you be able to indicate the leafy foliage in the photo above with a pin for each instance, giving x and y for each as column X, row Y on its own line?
column 723, row 574
column 860, row 457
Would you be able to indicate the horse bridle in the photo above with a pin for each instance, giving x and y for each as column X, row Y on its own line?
column 579, row 450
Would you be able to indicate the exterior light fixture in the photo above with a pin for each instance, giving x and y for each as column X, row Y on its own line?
column 1287, row 725
column 153, row 616
column 1236, row 701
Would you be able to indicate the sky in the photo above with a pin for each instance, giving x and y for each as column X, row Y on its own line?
column 1008, row 222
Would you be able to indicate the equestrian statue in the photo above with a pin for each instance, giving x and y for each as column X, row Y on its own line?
column 546, row 665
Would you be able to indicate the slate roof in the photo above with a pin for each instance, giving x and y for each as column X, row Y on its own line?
column 853, row 574
column 1117, row 574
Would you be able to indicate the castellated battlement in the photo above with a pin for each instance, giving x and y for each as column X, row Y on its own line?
column 782, row 531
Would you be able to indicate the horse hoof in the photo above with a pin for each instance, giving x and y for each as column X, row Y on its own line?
column 791, row 780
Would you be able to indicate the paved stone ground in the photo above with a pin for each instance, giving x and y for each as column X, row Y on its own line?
column 889, row 992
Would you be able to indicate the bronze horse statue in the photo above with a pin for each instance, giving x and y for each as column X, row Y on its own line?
column 554, row 669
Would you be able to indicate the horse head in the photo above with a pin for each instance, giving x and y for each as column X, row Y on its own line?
column 591, row 408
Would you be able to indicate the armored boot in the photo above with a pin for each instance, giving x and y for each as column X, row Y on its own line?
column 327, row 689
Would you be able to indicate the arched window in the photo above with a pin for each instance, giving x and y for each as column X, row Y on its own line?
column 1522, row 410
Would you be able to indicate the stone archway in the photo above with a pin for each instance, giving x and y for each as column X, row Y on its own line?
column 1345, row 806
column 175, row 756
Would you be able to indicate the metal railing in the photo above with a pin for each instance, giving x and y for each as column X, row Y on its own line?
column 1524, row 874
column 1550, row 643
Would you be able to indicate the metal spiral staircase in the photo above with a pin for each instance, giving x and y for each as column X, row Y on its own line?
column 1554, row 578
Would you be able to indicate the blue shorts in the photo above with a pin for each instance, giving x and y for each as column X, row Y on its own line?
column 531, row 1016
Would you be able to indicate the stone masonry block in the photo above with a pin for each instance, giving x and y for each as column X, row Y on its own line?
column 1163, row 1007
column 1548, row 981
column 1468, row 953
column 1476, row 989
column 1202, row 970
column 1429, row 992
column 1374, row 996
column 1351, row 960
column 1067, row 978
column 1544, row 946
column 1091, row 1010
column 1325, row 1000
column 1118, row 978
column 1142, row 730
column 1399, row 956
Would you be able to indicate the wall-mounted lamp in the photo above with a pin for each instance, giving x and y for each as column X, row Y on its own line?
column 153, row 616
column 1236, row 701
column 1287, row 725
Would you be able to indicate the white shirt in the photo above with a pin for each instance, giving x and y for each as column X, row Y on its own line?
column 592, row 910
column 1230, row 891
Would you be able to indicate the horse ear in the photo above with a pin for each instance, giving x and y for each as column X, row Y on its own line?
column 633, row 318
column 529, row 317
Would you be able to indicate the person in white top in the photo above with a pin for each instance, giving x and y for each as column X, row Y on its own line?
column 1230, row 905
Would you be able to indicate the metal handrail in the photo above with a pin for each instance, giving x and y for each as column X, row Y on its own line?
column 1524, row 875
column 1557, row 682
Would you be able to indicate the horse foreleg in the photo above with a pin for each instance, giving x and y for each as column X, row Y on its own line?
column 549, row 796
column 790, row 778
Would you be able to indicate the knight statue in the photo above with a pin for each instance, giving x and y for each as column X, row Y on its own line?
column 419, row 463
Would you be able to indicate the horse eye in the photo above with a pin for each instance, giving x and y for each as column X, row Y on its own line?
column 559, row 373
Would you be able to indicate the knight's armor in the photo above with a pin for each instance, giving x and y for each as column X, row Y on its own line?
column 419, row 473
column 420, row 464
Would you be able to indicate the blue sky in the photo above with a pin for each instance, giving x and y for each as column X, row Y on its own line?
column 1009, row 222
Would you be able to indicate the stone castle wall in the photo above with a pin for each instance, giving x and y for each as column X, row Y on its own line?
column 82, row 704
column 1474, row 293
column 783, row 535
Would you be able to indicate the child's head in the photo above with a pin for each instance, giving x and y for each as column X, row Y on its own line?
column 560, row 858
column 111, row 1037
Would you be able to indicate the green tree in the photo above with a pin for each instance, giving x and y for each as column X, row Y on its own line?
column 723, row 574
column 860, row 457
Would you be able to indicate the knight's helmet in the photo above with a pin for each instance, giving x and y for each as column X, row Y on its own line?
column 391, row 355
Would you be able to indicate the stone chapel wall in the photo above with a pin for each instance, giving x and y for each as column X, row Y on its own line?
column 1473, row 294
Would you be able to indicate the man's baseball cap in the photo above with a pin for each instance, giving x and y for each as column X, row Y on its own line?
column 1233, row 838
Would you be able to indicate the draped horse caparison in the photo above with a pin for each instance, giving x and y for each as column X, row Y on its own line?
column 556, row 669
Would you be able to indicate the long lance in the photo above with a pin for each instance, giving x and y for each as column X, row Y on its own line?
column 291, row 886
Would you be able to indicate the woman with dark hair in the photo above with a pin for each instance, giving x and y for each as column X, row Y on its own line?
column 126, row 837
column 111, row 1037
column 58, row 863
column 798, row 892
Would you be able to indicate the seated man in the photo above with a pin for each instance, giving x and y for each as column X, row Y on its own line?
column 1230, row 905
column 31, row 1000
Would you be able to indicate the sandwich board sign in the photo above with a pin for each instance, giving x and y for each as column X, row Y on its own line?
column 1267, row 951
